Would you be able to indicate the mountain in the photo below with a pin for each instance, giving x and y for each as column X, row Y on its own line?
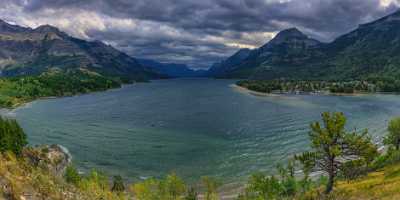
column 171, row 70
column 26, row 51
column 288, row 48
column 371, row 50
column 219, row 69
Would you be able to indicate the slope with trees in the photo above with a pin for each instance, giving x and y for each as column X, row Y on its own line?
column 371, row 51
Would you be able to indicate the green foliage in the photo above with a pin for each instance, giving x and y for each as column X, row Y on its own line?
column 170, row 188
column 392, row 156
column 333, row 147
column 262, row 186
column 12, row 137
column 147, row 190
column 15, row 91
column 191, row 194
column 286, row 186
column 118, row 184
column 393, row 138
column 353, row 169
column 211, row 186
column 72, row 175
column 292, row 86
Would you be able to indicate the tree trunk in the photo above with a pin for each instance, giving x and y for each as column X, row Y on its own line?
column 331, row 180
column 331, row 173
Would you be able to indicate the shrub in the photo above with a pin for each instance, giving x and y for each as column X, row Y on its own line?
column 353, row 169
column 72, row 175
column 392, row 156
column 118, row 184
column 191, row 194
column 211, row 186
column 169, row 188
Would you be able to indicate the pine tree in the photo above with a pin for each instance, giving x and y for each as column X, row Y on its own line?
column 333, row 147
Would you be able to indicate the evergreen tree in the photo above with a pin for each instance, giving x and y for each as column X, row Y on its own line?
column 393, row 138
column 333, row 147
column 12, row 136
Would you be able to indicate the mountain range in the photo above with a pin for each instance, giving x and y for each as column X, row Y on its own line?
column 371, row 50
column 172, row 70
column 27, row 51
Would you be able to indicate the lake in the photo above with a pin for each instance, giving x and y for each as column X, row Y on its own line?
column 193, row 127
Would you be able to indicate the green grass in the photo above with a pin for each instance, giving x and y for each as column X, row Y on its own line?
column 381, row 184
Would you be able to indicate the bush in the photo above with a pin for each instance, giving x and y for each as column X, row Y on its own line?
column 392, row 156
column 211, row 186
column 72, row 175
column 118, row 184
column 354, row 169
column 170, row 188
column 191, row 194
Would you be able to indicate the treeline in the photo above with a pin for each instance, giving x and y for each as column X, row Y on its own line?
column 300, row 86
column 337, row 154
column 18, row 90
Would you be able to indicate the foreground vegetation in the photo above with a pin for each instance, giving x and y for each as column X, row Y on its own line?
column 348, row 164
column 56, row 83
column 302, row 86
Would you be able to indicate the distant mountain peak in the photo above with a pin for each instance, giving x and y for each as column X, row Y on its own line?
column 7, row 27
column 46, row 29
column 388, row 19
column 291, row 33
column 2, row 22
column 289, row 36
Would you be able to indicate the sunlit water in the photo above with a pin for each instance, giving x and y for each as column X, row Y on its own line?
column 193, row 127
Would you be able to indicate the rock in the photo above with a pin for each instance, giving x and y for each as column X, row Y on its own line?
column 54, row 158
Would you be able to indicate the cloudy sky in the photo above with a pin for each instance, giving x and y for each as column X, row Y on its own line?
column 195, row 32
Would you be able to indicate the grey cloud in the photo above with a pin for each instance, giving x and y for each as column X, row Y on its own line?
column 225, row 21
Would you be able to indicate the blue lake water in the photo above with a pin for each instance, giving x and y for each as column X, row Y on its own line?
column 193, row 127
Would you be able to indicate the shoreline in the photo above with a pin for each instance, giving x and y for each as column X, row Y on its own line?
column 327, row 93
column 252, row 92
column 228, row 190
column 27, row 102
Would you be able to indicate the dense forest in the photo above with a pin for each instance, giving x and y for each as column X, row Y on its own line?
column 18, row 90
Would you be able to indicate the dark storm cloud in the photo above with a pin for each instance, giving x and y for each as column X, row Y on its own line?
column 201, row 32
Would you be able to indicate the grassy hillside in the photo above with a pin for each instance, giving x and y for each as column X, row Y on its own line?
column 381, row 184
column 20, row 178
